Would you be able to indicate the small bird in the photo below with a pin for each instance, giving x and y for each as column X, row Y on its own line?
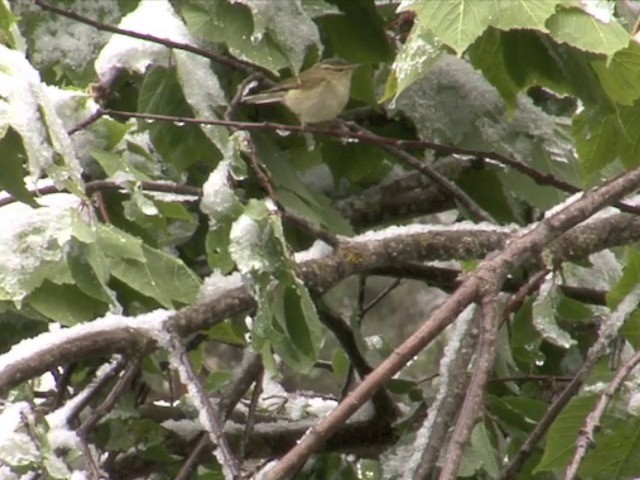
column 319, row 94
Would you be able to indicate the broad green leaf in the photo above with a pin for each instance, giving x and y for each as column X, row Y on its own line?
column 561, row 437
column 581, row 30
column 65, row 303
column 116, row 243
column 456, row 23
column 161, row 277
column 620, row 77
column 216, row 380
column 629, row 281
column 226, row 332
column 521, row 413
column 515, row 60
column 114, row 163
column 597, row 136
column 183, row 145
column 302, row 320
column 526, row 340
column 605, row 136
column 217, row 248
column 8, row 28
column 487, row 190
column 12, row 157
column 221, row 21
column 358, row 35
column 521, row 14
column 289, row 26
column 631, row 329
column 480, row 454
column 616, row 452
column 294, row 194
column 90, row 274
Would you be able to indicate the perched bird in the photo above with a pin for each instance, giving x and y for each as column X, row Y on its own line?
column 318, row 94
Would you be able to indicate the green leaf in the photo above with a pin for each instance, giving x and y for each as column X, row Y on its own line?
column 517, row 59
column 616, row 452
column 161, row 277
column 629, row 281
column 289, row 26
column 577, row 28
column 27, row 108
column 487, row 190
column 226, row 332
column 605, row 136
column 620, row 77
column 631, row 329
column 113, row 163
column 480, row 454
column 183, row 145
column 41, row 238
column 456, row 23
column 116, row 243
column 561, row 438
column 220, row 21
column 598, row 139
column 417, row 55
column 358, row 35
column 295, row 195
column 302, row 323
column 216, row 380
column 9, row 32
column 89, row 271
column 65, row 304
column 519, row 413
column 521, row 14
column 12, row 157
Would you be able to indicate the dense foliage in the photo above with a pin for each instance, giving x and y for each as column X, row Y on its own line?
column 441, row 283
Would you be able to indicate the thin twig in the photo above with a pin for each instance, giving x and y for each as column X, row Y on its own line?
column 208, row 413
column 472, row 403
column 387, row 290
column 114, row 395
column 364, row 135
column 94, row 117
column 95, row 387
column 251, row 416
column 97, row 186
column 191, row 462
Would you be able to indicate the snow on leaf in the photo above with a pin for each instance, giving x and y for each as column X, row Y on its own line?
column 34, row 243
column 288, row 23
column 26, row 107
column 200, row 85
column 544, row 315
